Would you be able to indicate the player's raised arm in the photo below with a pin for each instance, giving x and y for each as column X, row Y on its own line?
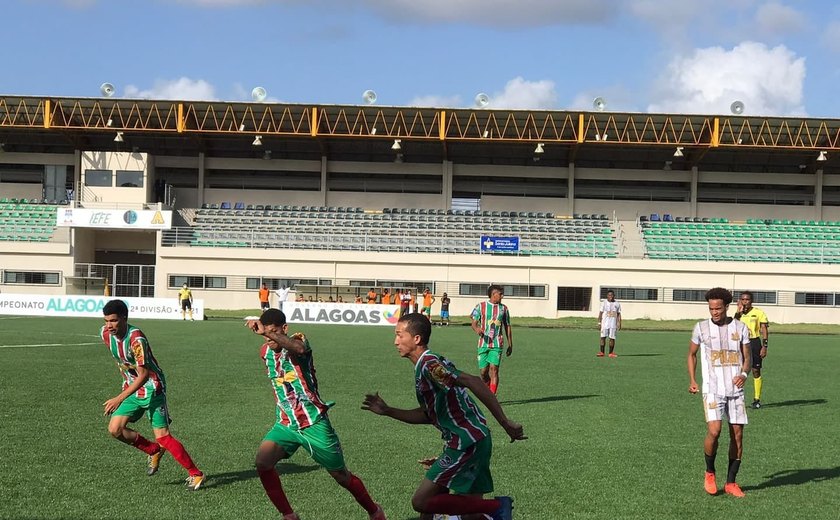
column 480, row 390
column 374, row 403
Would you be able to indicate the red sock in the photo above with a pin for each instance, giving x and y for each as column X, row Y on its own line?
column 143, row 444
column 271, row 483
column 493, row 387
column 173, row 446
column 460, row 505
column 357, row 488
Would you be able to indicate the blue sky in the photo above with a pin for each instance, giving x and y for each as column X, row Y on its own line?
column 681, row 56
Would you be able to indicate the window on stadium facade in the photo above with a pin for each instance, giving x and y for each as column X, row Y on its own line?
column 129, row 179
column 276, row 283
column 510, row 290
column 32, row 277
column 631, row 293
column 759, row 297
column 690, row 295
column 98, row 178
column 197, row 282
column 419, row 285
column 574, row 298
column 811, row 298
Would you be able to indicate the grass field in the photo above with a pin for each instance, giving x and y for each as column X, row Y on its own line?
column 609, row 438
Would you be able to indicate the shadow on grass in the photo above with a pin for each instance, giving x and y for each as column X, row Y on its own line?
column 638, row 355
column 548, row 399
column 795, row 477
column 795, row 402
column 223, row 479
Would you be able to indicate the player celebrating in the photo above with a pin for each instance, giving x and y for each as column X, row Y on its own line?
column 301, row 416
column 489, row 320
column 464, row 466
column 723, row 344
column 609, row 321
column 143, row 392
column 756, row 321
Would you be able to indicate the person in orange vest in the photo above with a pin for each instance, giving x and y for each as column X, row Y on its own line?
column 371, row 296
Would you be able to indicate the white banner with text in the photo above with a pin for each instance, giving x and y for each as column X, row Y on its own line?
column 341, row 313
column 113, row 218
column 91, row 306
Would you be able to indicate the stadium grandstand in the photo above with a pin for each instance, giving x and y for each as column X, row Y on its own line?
column 137, row 197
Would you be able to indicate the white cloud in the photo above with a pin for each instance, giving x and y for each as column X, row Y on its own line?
column 831, row 37
column 181, row 88
column 436, row 101
column 774, row 18
column 768, row 81
column 522, row 94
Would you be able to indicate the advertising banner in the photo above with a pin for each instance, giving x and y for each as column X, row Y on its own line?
column 489, row 243
column 113, row 218
column 341, row 313
column 91, row 306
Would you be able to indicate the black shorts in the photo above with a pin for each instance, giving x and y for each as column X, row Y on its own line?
column 186, row 304
column 265, row 306
column 755, row 349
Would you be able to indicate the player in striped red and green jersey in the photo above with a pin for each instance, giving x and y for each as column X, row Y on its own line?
column 301, row 416
column 143, row 393
column 441, row 389
column 491, row 321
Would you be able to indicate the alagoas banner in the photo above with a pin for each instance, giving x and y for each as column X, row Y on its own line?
column 91, row 306
column 113, row 218
column 341, row 313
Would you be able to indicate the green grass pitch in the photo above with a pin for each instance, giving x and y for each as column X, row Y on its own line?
column 609, row 438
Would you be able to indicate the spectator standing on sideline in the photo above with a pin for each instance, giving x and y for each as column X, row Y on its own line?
column 265, row 294
column 444, row 308
column 724, row 347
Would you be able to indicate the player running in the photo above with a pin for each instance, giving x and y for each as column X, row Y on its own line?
column 301, row 416
column 724, row 347
column 143, row 393
column 441, row 389
column 489, row 320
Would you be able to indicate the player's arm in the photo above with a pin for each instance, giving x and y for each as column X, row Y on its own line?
column 600, row 316
column 618, row 320
column 113, row 403
column 479, row 389
column 692, row 367
column 377, row 405
column 764, row 332
column 476, row 327
column 509, row 333
column 293, row 344
column 746, row 354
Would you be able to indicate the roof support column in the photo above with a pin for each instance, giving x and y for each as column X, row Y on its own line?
column 818, row 195
column 446, row 185
column 200, row 186
column 324, row 180
column 695, row 176
column 570, row 195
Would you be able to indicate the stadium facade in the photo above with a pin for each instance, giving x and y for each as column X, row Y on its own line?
column 337, row 199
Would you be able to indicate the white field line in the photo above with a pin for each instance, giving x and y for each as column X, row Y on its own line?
column 48, row 345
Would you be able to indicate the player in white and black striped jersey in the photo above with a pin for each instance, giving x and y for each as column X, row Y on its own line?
column 609, row 322
column 724, row 346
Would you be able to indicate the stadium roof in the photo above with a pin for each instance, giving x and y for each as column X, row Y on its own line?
column 367, row 133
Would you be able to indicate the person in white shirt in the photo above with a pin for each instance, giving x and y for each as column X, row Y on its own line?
column 282, row 295
column 609, row 321
column 724, row 347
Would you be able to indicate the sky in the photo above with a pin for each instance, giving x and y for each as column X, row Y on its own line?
column 780, row 58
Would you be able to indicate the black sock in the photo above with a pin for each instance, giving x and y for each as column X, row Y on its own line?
column 710, row 463
column 734, row 466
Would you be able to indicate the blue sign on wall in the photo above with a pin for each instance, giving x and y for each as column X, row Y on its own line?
column 489, row 243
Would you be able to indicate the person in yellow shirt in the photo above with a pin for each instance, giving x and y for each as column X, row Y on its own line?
column 756, row 321
column 185, row 298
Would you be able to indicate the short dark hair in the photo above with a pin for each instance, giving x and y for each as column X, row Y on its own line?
column 747, row 293
column 494, row 287
column 117, row 307
column 273, row 317
column 719, row 293
column 418, row 325
column 610, row 291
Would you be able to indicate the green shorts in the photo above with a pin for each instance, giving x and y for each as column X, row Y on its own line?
column 464, row 472
column 320, row 440
column 489, row 356
column 153, row 406
column 426, row 310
